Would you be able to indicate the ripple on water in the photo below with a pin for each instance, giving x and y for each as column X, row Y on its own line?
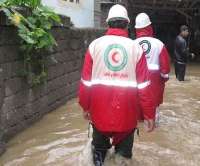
column 62, row 141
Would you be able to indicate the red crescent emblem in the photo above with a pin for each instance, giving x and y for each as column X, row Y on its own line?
column 143, row 47
column 114, row 59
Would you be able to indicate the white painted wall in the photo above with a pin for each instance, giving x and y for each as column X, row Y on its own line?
column 82, row 13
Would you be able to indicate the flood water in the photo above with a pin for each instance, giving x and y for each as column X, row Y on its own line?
column 60, row 138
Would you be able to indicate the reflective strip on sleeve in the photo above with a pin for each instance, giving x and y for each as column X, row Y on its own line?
column 153, row 67
column 110, row 83
column 86, row 83
column 144, row 85
column 182, row 63
column 164, row 75
column 116, row 83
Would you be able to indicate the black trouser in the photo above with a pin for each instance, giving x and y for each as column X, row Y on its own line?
column 180, row 71
column 101, row 144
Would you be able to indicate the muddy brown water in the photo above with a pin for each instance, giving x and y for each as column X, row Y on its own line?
column 60, row 138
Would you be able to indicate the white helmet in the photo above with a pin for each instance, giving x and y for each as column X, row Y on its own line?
column 142, row 20
column 118, row 12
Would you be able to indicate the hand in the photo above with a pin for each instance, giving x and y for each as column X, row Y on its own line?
column 192, row 55
column 149, row 125
column 86, row 115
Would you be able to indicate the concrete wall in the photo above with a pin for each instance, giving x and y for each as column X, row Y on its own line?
column 81, row 14
column 97, row 13
column 20, row 105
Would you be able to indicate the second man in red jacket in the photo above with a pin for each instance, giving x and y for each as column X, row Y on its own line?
column 156, row 55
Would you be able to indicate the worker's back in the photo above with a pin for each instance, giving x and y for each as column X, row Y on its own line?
column 152, row 48
column 115, row 68
column 114, row 61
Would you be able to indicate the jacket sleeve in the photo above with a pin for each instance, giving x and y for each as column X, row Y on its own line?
column 85, row 83
column 147, row 106
column 181, row 49
column 164, row 64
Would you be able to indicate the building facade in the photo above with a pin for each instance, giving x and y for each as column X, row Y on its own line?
column 83, row 13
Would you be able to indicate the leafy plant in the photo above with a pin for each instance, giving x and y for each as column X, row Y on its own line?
column 34, row 30
column 28, row 3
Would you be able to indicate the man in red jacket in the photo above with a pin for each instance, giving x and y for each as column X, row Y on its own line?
column 156, row 55
column 114, row 83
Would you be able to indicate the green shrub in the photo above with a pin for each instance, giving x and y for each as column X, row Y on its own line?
column 34, row 31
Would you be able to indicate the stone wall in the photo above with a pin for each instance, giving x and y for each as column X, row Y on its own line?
column 20, row 105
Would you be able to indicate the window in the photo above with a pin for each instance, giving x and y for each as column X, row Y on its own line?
column 77, row 1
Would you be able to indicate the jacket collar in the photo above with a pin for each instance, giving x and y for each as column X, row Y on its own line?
column 117, row 32
column 145, row 32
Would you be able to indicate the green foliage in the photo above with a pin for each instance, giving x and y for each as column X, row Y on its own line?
column 34, row 30
column 22, row 3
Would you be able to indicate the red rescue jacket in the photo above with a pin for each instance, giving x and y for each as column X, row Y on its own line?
column 157, row 60
column 114, row 83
